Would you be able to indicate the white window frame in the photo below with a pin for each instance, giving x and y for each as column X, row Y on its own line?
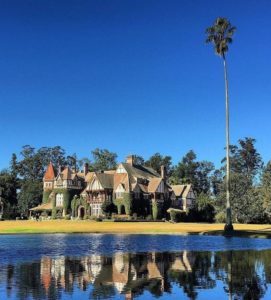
column 59, row 200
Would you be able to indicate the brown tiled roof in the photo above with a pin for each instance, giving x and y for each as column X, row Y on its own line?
column 153, row 184
column 50, row 173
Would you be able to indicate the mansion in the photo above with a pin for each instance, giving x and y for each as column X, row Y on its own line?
column 129, row 189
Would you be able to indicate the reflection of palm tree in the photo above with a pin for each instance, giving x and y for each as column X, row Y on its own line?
column 230, row 274
column 220, row 34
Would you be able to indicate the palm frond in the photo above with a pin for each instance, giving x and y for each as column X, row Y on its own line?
column 220, row 35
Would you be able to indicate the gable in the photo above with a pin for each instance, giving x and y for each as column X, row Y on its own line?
column 95, row 185
column 120, row 188
column 156, row 185
column 191, row 194
column 161, row 187
column 121, row 169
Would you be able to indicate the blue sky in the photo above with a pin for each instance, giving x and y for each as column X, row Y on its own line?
column 131, row 76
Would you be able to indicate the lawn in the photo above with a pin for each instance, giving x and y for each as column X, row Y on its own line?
column 62, row 226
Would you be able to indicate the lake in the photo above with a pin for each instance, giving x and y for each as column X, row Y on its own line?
column 101, row 266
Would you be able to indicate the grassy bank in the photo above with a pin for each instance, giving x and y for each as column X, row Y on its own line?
column 61, row 226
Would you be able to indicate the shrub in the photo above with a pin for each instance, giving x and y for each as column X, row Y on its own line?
column 177, row 215
column 149, row 218
column 154, row 211
column 54, row 213
column 220, row 217
column 192, row 215
column 206, row 210
column 68, row 217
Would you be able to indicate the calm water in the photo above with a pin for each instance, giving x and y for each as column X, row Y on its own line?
column 134, row 267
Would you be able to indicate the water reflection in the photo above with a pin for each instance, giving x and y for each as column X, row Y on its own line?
column 186, row 274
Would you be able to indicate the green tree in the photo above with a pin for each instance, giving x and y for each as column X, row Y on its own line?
column 220, row 34
column 251, row 161
column 265, row 189
column 72, row 162
column 191, row 171
column 8, row 186
column 157, row 160
column 31, row 170
column 30, row 195
column 103, row 159
column 245, row 158
column 185, row 171
column 205, row 208
column 108, row 207
column 139, row 160
column 247, row 203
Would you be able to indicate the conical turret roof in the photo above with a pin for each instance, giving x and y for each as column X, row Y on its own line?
column 50, row 173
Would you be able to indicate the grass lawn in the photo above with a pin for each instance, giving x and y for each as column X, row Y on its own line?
column 62, row 226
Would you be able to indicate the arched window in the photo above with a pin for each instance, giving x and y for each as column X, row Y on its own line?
column 59, row 200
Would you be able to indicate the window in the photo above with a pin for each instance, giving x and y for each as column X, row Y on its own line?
column 96, row 209
column 59, row 200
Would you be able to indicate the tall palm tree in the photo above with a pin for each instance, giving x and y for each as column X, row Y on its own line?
column 220, row 35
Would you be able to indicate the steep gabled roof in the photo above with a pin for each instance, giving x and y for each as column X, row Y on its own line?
column 181, row 190
column 123, row 179
column 154, row 184
column 50, row 172
column 140, row 171
column 106, row 180
column 89, row 176
column 66, row 174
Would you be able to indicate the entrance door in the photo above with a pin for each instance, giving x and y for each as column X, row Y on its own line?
column 81, row 212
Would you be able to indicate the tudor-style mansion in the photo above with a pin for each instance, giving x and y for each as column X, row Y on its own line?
column 131, row 188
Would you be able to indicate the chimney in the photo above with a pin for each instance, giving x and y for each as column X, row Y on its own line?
column 59, row 169
column 163, row 172
column 130, row 160
column 85, row 169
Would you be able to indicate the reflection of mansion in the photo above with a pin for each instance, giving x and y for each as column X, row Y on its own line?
column 128, row 274
column 132, row 188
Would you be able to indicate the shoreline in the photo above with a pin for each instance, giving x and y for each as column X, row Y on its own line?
column 153, row 228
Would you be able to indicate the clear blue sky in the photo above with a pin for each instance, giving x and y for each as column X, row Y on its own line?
column 131, row 76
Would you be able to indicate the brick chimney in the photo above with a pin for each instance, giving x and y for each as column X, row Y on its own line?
column 85, row 169
column 130, row 159
column 163, row 172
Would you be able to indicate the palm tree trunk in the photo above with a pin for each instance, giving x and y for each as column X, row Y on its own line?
column 228, row 226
